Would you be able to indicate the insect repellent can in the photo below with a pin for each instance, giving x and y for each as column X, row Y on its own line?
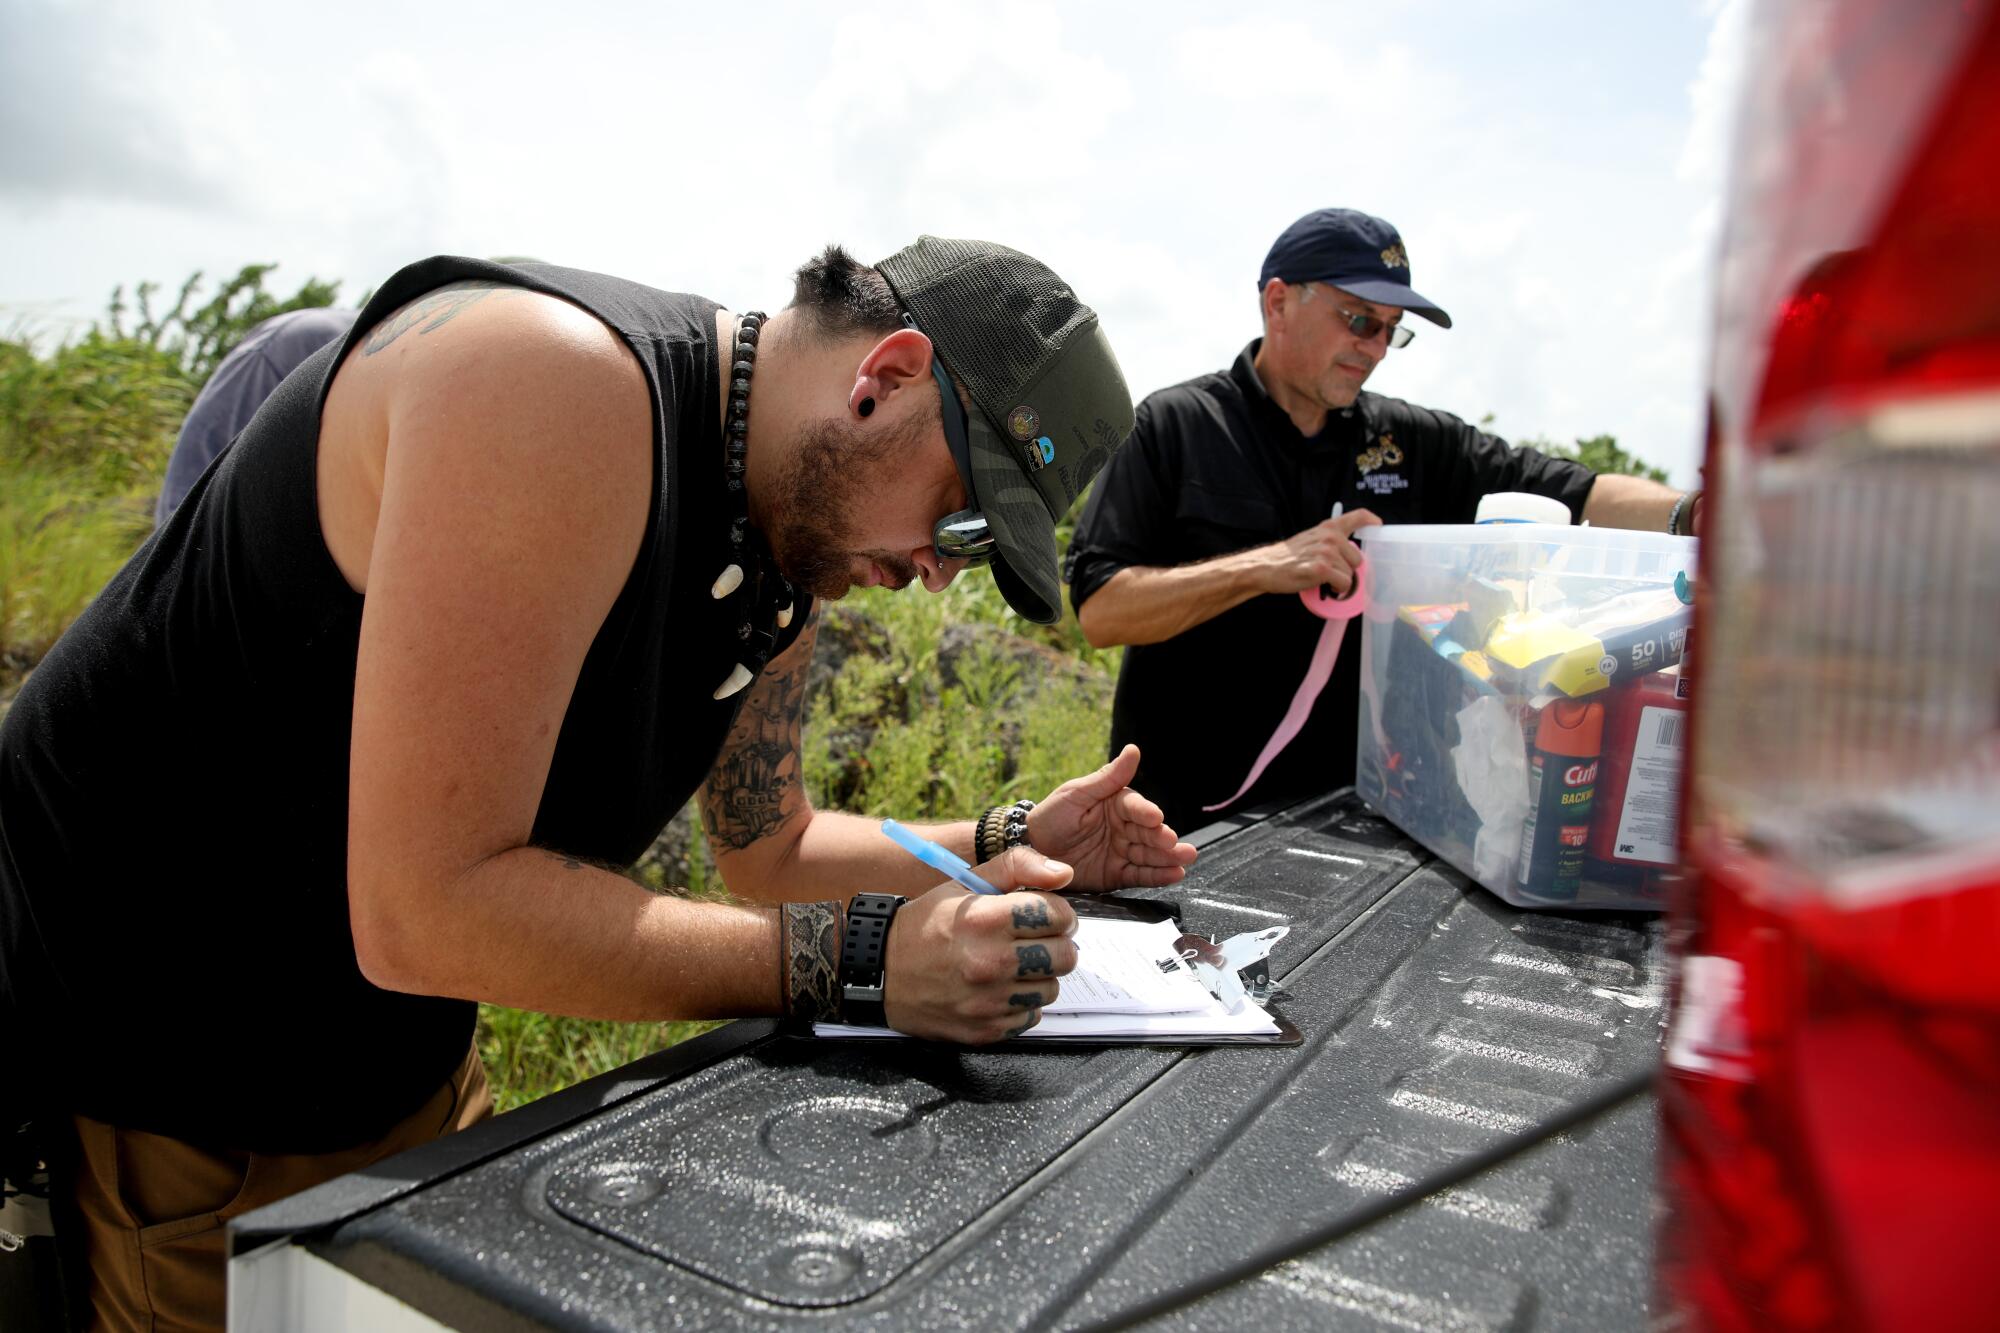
column 1562, row 786
column 1638, row 788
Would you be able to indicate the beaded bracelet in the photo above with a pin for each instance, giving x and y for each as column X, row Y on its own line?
column 1001, row 827
column 1687, row 502
column 979, row 836
column 809, row 949
column 986, row 835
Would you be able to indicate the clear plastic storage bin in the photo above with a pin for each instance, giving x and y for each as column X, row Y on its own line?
column 1524, row 693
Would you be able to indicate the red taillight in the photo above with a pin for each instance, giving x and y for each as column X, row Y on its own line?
column 1859, row 257
column 1832, row 1107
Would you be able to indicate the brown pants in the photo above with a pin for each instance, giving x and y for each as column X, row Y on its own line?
column 154, row 1209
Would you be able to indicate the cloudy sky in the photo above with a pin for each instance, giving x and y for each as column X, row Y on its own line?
column 1554, row 167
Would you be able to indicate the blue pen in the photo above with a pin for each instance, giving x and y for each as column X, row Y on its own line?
column 936, row 857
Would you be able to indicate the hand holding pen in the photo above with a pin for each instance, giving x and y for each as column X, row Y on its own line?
column 978, row 967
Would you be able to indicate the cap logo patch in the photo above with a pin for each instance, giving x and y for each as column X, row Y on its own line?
column 1395, row 257
column 1024, row 423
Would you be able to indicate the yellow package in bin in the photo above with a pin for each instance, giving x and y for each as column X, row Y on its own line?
column 1637, row 634
column 1529, row 639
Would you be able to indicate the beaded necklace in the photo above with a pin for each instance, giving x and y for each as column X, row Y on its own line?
column 762, row 583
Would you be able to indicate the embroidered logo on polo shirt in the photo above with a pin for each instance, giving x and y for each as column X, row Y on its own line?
column 1373, row 464
column 1386, row 453
column 1395, row 257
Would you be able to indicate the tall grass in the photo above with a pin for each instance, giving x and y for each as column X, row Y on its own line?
column 529, row 1055
column 59, row 542
column 102, row 410
column 84, row 437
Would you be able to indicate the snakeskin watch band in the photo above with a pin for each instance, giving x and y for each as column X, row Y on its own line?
column 811, row 950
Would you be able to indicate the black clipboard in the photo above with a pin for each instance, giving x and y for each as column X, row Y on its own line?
column 1116, row 907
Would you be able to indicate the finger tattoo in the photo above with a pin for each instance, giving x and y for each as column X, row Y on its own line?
column 1031, row 915
column 1035, row 960
column 1026, row 1000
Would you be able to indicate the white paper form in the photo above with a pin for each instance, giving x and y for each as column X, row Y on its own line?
column 1129, row 967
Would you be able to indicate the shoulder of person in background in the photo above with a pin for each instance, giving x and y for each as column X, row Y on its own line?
column 296, row 334
column 241, row 382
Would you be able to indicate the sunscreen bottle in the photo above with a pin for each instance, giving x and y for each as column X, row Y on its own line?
column 1562, row 786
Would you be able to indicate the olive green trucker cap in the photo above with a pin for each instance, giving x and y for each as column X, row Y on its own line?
column 1049, row 403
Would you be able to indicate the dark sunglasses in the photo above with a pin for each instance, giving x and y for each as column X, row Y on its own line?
column 1365, row 327
column 963, row 536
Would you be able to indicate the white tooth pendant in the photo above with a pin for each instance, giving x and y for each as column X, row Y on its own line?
column 739, row 676
column 728, row 581
column 784, row 615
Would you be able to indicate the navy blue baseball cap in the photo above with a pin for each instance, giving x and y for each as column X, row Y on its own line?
column 1353, row 251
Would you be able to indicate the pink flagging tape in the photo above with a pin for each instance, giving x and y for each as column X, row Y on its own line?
column 1336, row 612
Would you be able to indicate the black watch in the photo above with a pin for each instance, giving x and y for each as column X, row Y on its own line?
column 864, row 957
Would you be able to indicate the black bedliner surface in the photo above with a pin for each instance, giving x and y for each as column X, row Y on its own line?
column 755, row 1180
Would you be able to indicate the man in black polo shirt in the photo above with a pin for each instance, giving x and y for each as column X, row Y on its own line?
column 1222, row 497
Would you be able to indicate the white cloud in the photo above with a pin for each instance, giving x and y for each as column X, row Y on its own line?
column 1712, row 94
column 88, row 111
column 1553, row 173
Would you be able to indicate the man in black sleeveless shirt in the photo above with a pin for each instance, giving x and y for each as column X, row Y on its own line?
column 467, row 612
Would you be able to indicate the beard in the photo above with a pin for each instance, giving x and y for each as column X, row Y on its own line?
column 836, row 469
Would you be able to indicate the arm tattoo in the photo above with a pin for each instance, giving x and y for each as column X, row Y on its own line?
column 431, row 310
column 1031, row 915
column 754, row 788
column 1035, row 961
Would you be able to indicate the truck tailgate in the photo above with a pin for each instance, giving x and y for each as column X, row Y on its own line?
column 756, row 1180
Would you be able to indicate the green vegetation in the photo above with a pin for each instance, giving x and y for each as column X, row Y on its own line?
column 943, row 705
column 198, row 339
column 529, row 1055
column 84, row 437
column 85, row 431
column 59, row 542
column 1601, row 454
